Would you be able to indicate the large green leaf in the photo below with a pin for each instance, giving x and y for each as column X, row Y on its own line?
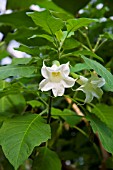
column 105, row 134
column 16, row 19
column 104, row 112
column 102, row 71
column 46, row 159
column 48, row 22
column 14, row 103
column 22, row 71
column 74, row 24
column 18, row 137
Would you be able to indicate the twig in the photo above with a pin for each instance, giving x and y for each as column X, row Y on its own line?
column 49, row 109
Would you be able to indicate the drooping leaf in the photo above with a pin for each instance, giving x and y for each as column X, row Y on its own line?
column 100, row 70
column 19, row 135
column 22, row 71
column 46, row 159
column 48, row 22
column 105, row 134
column 105, row 113
column 74, row 24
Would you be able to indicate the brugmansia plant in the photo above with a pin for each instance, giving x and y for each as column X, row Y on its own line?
column 56, row 104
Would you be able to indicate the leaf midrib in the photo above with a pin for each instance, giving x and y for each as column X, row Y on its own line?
column 25, row 135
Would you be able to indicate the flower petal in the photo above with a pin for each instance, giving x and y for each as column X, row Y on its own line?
column 99, row 83
column 54, row 68
column 89, row 97
column 44, row 71
column 83, row 80
column 97, row 93
column 45, row 85
column 58, row 90
column 64, row 68
column 68, row 82
column 82, row 88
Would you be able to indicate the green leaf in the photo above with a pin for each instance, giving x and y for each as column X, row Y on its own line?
column 71, row 117
column 79, row 67
column 107, row 35
column 18, row 137
column 3, row 53
column 72, row 6
column 20, row 4
column 68, row 115
column 56, row 112
column 22, row 71
column 74, row 24
column 46, row 159
column 105, row 134
column 70, row 43
column 3, row 84
column 12, row 104
column 83, row 52
column 102, row 71
column 50, row 5
column 34, row 103
column 29, row 50
column 22, row 35
column 17, row 19
column 17, row 61
column 87, row 53
column 104, row 112
column 45, row 36
column 48, row 22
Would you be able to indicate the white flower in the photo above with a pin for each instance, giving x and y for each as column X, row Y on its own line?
column 56, row 78
column 91, row 87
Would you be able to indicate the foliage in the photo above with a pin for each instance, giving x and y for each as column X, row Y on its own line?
column 37, row 130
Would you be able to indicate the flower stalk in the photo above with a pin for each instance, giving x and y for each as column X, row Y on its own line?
column 49, row 109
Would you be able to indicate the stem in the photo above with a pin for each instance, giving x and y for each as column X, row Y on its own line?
column 100, row 44
column 97, row 44
column 49, row 109
column 87, row 39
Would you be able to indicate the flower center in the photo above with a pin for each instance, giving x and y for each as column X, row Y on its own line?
column 55, row 76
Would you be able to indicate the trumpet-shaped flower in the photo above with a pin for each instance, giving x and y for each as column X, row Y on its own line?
column 91, row 87
column 56, row 78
